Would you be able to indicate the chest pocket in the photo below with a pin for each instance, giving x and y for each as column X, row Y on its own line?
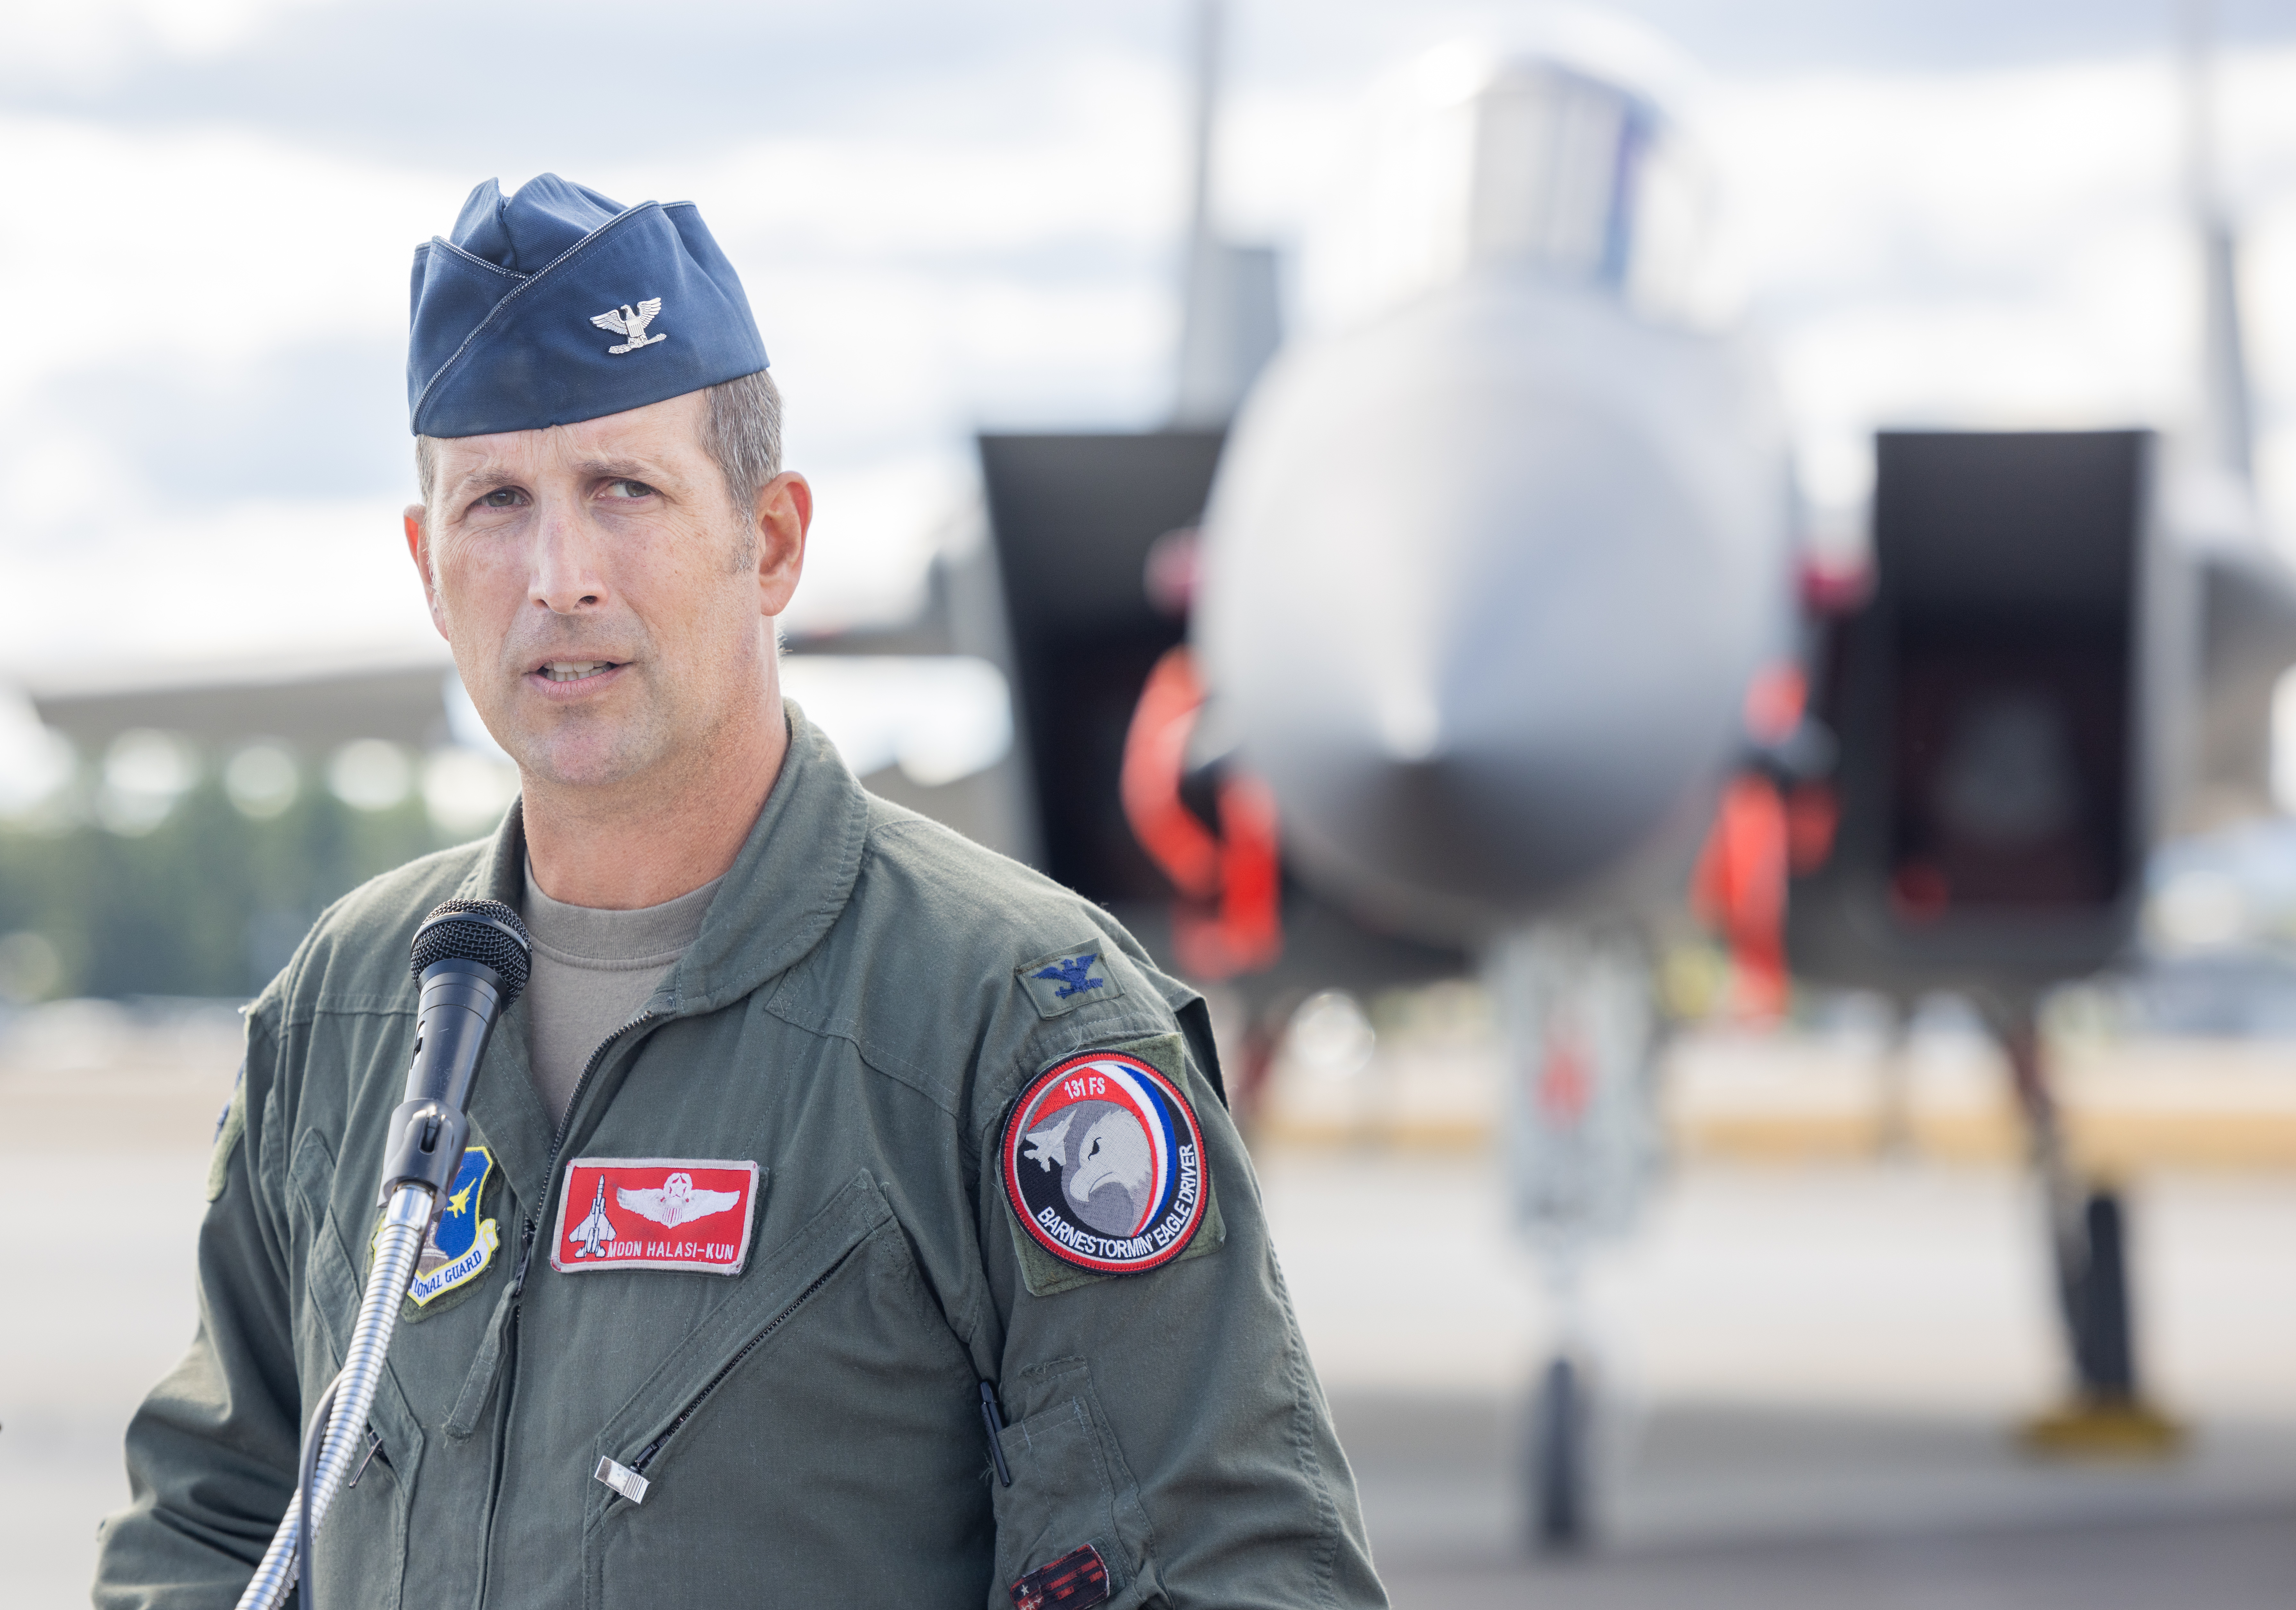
column 816, row 1440
column 361, row 1557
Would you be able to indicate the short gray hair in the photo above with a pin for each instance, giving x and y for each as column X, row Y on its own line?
column 741, row 428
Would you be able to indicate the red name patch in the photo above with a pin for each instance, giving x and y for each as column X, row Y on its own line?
column 655, row 1212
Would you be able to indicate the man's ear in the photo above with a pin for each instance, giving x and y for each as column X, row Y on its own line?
column 784, row 514
column 416, row 519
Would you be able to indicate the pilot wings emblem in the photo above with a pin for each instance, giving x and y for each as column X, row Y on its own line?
column 676, row 1201
column 631, row 322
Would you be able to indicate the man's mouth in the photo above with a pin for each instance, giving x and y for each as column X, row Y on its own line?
column 574, row 671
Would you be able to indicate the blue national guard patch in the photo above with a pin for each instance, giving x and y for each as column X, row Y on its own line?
column 1068, row 979
column 460, row 1245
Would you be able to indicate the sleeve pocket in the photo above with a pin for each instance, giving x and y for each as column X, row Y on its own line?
column 1069, row 1487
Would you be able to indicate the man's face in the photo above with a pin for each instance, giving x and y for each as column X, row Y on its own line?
column 609, row 609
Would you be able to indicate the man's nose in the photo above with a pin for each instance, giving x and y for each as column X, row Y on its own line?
column 567, row 576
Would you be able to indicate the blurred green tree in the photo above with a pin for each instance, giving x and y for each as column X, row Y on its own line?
column 207, row 903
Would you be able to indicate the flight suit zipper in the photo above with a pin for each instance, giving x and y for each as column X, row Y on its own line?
column 528, row 1231
column 557, row 1142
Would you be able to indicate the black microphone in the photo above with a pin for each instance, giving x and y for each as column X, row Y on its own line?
column 470, row 962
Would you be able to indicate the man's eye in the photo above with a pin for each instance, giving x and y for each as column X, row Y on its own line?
column 502, row 497
column 628, row 489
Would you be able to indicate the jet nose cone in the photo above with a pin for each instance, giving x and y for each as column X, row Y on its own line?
column 1484, row 585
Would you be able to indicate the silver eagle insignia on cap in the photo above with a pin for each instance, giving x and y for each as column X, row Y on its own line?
column 623, row 321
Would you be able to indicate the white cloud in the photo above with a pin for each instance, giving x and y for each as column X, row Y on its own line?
column 212, row 244
column 89, row 42
column 895, row 282
column 315, row 582
column 1999, row 248
column 1108, row 169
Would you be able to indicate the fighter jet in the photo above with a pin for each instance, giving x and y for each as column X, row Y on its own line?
column 1488, row 573
column 598, row 1229
column 1436, row 658
column 1439, row 657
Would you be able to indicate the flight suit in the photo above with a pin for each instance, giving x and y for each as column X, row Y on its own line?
column 863, row 1002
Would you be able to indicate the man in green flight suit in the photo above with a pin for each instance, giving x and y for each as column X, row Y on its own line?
column 821, row 1141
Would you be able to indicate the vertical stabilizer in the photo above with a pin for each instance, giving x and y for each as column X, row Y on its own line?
column 1230, row 323
column 2225, row 426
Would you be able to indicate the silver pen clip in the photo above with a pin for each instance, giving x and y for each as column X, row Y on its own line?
column 373, row 1445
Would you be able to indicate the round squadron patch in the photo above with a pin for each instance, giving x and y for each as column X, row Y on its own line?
column 1104, row 1164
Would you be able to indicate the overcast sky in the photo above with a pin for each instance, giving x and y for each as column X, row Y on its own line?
column 951, row 213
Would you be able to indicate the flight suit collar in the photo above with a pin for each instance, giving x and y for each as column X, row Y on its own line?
column 794, row 874
column 790, row 882
column 792, row 878
column 784, row 889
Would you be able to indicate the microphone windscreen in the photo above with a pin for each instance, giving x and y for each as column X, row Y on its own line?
column 475, row 931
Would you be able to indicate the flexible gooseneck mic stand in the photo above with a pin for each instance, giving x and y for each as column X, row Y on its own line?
column 470, row 962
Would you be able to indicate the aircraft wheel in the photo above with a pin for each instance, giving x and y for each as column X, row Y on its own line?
column 1558, row 1460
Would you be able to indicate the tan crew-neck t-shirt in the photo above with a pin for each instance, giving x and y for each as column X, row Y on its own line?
column 593, row 970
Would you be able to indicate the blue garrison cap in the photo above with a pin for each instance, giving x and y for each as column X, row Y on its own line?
column 556, row 304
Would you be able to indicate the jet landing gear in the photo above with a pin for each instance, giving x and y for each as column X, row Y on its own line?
column 1558, row 1479
column 2107, row 1416
column 1575, row 1009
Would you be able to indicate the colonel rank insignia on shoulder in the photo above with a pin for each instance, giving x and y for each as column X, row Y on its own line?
column 1066, row 979
column 1104, row 1164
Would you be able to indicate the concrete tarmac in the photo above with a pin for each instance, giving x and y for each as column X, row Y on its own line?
column 1809, row 1380
column 104, row 1197
column 2235, row 1562
column 1809, row 1375
column 1783, row 1509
